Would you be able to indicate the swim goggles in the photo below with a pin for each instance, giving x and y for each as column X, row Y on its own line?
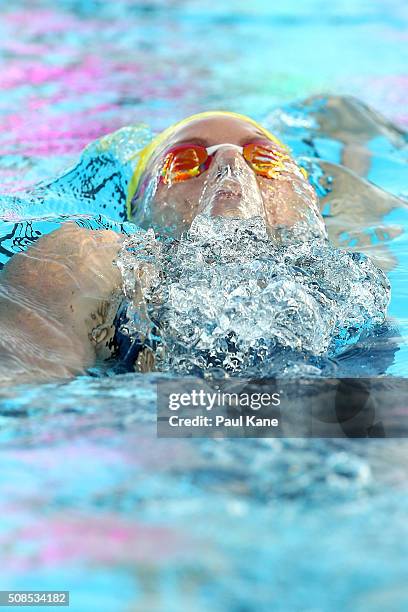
column 185, row 161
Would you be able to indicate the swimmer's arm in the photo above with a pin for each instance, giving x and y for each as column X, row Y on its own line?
column 353, row 207
column 55, row 305
column 348, row 191
column 354, row 124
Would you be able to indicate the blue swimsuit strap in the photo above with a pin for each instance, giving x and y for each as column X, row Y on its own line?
column 126, row 347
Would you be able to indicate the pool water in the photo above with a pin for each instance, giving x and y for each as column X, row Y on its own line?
column 92, row 501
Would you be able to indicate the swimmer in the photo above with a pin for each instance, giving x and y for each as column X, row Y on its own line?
column 60, row 298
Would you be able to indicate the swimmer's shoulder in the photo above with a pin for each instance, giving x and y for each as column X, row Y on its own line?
column 69, row 258
column 68, row 280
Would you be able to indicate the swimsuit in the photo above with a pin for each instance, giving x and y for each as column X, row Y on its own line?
column 125, row 347
column 128, row 346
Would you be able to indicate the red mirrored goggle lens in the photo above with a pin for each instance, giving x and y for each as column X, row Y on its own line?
column 183, row 162
column 265, row 161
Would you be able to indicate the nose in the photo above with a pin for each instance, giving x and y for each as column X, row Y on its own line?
column 228, row 158
column 231, row 189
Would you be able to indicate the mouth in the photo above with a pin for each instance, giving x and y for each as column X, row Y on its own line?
column 228, row 194
column 235, row 193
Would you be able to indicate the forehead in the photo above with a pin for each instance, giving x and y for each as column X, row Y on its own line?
column 216, row 130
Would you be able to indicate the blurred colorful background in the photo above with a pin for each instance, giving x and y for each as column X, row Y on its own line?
column 91, row 501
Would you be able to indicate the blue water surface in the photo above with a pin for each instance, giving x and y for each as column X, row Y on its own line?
column 92, row 501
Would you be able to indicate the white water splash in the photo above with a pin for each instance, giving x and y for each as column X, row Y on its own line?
column 226, row 297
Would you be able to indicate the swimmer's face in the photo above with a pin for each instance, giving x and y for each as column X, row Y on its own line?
column 230, row 186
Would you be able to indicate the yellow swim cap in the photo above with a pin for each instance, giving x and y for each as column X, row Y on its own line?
column 146, row 154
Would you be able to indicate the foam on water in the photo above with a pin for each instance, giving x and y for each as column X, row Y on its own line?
column 91, row 498
column 229, row 298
